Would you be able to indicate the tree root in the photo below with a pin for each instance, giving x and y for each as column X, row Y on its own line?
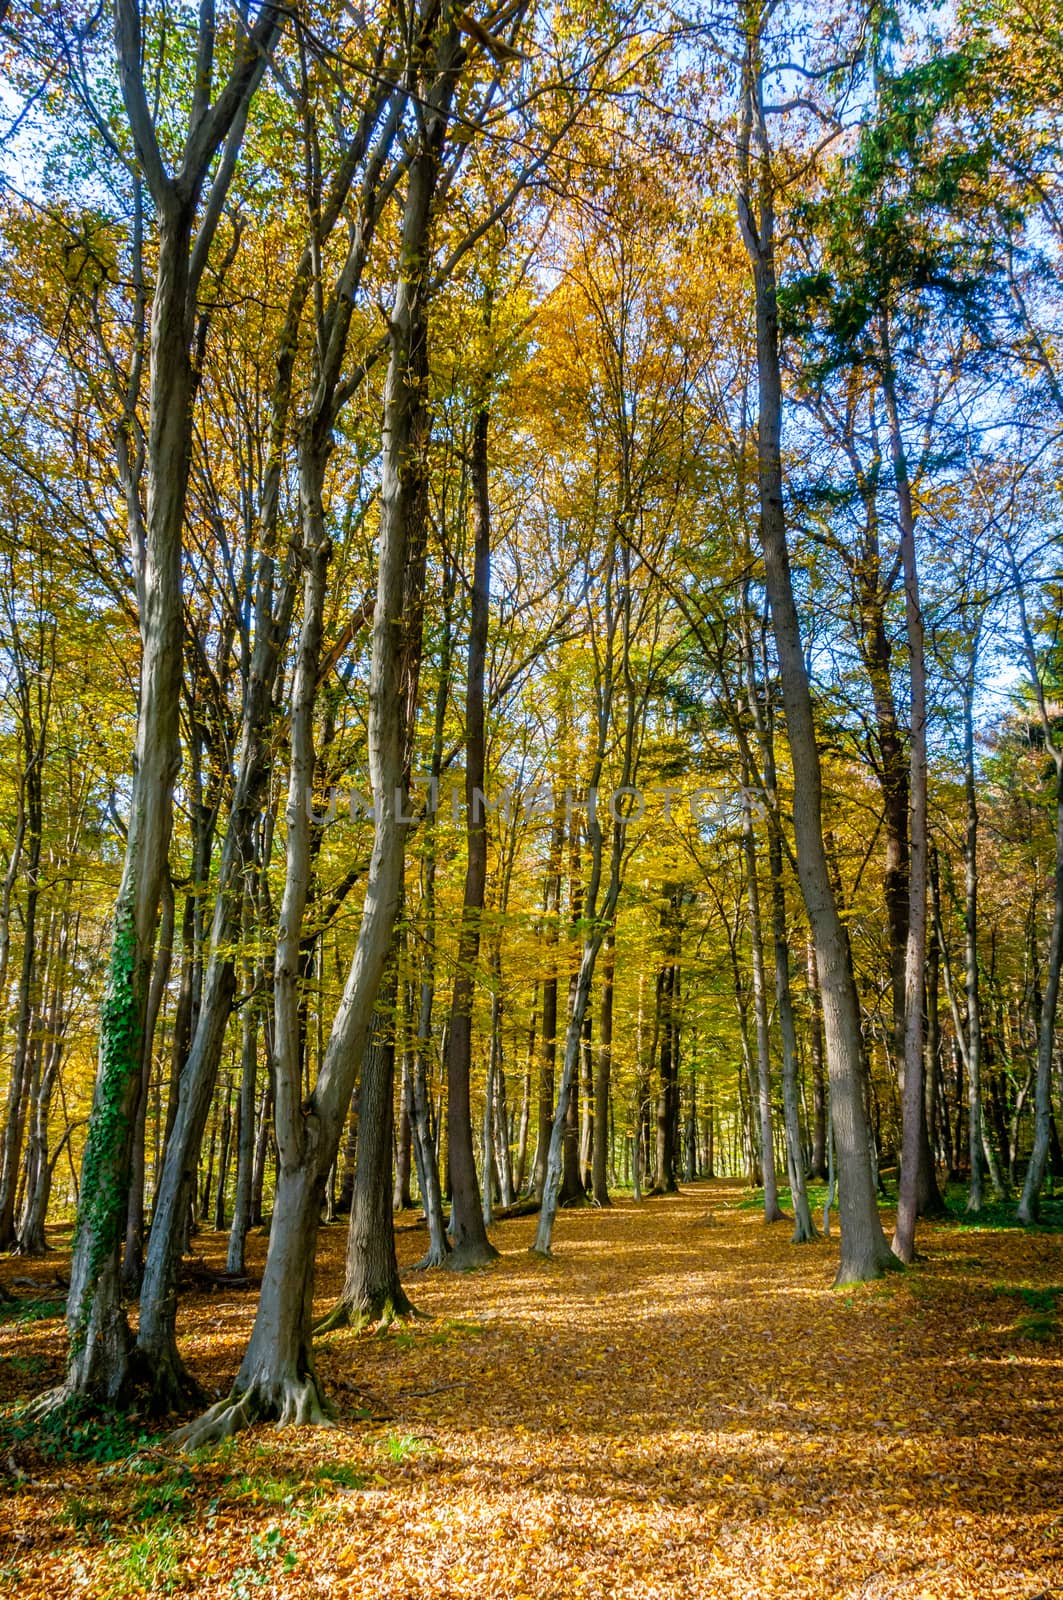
column 867, row 1269
column 432, row 1258
column 49, row 1403
column 339, row 1317
column 470, row 1258
column 395, row 1307
column 290, row 1402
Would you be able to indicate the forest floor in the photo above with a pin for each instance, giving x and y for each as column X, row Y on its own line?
column 678, row 1405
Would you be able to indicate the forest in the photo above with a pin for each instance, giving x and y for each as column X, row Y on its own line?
column 531, row 797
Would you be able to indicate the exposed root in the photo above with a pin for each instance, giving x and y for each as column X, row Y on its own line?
column 290, row 1402
column 470, row 1257
column 332, row 1321
column 378, row 1312
column 432, row 1258
column 867, row 1271
column 48, row 1404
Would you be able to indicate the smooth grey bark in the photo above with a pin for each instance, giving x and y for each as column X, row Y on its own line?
column 99, row 1364
column 157, row 1350
column 277, row 1378
column 762, row 710
column 262, row 1141
column 964, row 1037
column 133, row 1250
column 933, row 1010
column 872, row 589
column 864, row 1250
column 804, row 1227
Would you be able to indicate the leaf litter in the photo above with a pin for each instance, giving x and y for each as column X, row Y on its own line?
column 663, row 1410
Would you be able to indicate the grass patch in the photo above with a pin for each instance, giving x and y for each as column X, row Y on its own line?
column 151, row 1562
column 1039, row 1320
column 997, row 1215
column 340, row 1476
column 399, row 1447
column 816, row 1189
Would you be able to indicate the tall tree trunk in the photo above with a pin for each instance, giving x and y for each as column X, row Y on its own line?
column 597, row 917
column 815, row 1045
column 28, row 988
column 524, row 1122
column 865, row 1252
column 772, row 1209
column 975, row 1196
column 277, row 1377
column 372, row 1290
column 224, row 1148
column 914, row 1154
column 933, row 1013
column 245, row 1149
column 599, row 1176
column 133, row 1252
column 401, row 1198
column 572, row 1192
column 99, row 1365
column 31, row 1235
column 99, row 1336
column 1029, row 1202
column 472, row 1248
column 548, row 1035
column 425, row 1143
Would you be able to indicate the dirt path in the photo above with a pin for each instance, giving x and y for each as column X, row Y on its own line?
column 680, row 1405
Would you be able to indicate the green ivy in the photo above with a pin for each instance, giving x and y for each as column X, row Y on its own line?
column 102, row 1210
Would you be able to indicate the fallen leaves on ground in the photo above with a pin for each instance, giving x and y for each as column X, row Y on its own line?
column 667, row 1409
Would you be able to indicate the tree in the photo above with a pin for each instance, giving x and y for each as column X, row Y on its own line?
column 865, row 1253
column 99, row 1364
